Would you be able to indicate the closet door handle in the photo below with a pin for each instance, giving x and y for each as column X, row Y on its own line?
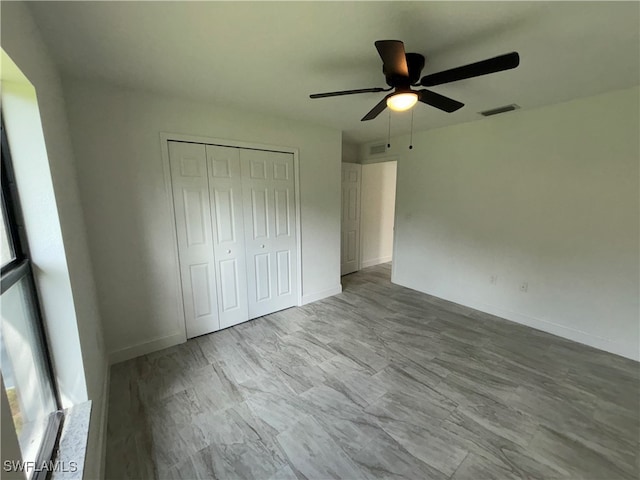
column 261, row 246
column 228, row 251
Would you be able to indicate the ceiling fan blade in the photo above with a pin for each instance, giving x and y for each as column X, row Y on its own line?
column 377, row 110
column 394, row 61
column 347, row 92
column 484, row 67
column 439, row 101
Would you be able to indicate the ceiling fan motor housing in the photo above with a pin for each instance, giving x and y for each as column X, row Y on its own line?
column 415, row 64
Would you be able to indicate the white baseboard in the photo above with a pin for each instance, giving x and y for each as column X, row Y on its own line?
column 143, row 348
column 628, row 350
column 375, row 261
column 314, row 297
column 608, row 345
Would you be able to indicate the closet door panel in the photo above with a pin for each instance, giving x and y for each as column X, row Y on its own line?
column 195, row 239
column 229, row 285
column 282, row 212
column 260, row 213
column 223, row 202
column 225, row 185
column 257, row 166
column 269, row 218
column 201, row 288
column 283, row 274
column 263, row 277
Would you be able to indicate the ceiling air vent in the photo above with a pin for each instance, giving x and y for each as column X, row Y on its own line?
column 496, row 111
column 377, row 149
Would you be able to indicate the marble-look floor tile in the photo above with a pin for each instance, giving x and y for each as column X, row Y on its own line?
column 475, row 467
column 575, row 459
column 360, row 388
column 172, row 432
column 313, row 452
column 138, row 464
column 247, row 460
column 213, row 388
column 623, row 422
column 431, row 444
column 288, row 321
column 162, row 380
column 408, row 407
column 383, row 457
column 236, row 358
column 497, row 450
column 279, row 411
column 377, row 382
column 285, row 473
column 365, row 355
column 410, row 377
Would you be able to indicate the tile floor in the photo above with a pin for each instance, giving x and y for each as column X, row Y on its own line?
column 377, row 382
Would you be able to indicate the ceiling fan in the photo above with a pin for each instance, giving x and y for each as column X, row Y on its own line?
column 402, row 71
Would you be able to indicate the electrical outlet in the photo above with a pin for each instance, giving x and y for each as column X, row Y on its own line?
column 524, row 286
column 494, row 279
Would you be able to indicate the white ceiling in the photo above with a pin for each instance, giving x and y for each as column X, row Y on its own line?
column 268, row 57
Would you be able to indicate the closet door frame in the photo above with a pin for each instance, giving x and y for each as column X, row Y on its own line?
column 165, row 138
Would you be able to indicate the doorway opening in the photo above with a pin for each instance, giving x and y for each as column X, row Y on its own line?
column 368, row 214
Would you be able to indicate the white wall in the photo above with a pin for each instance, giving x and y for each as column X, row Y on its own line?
column 116, row 135
column 546, row 196
column 378, row 199
column 350, row 152
column 53, row 209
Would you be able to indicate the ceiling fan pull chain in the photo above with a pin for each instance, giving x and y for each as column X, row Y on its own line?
column 389, row 132
column 411, row 137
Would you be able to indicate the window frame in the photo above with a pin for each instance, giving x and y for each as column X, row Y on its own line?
column 20, row 268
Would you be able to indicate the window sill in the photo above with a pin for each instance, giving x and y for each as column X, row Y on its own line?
column 73, row 443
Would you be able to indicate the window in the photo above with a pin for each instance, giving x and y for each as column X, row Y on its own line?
column 26, row 369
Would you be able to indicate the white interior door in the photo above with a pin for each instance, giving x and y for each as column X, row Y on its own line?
column 270, row 230
column 195, row 239
column 377, row 213
column 225, row 186
column 350, row 239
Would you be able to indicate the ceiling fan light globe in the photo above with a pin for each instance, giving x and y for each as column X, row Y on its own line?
column 401, row 102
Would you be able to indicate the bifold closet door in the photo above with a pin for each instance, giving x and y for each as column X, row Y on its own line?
column 225, row 186
column 236, row 226
column 270, row 230
column 190, row 185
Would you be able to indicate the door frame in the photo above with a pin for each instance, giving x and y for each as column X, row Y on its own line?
column 359, row 242
column 166, row 137
column 393, row 245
